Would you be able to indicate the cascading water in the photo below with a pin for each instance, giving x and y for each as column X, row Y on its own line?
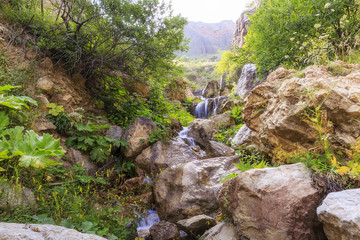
column 183, row 134
column 209, row 106
column 146, row 222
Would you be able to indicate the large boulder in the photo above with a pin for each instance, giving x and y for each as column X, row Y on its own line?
column 340, row 215
column 218, row 149
column 160, row 156
column 191, row 189
column 137, row 135
column 16, row 231
column 275, row 109
column 83, row 159
column 273, row 203
column 243, row 136
column 221, row 231
column 197, row 225
column 13, row 196
column 247, row 81
column 164, row 231
column 45, row 84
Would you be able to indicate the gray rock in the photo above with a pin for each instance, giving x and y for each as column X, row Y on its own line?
column 115, row 131
column 222, row 231
column 243, row 136
column 196, row 225
column 164, row 231
column 246, row 81
column 12, row 196
column 137, row 135
column 14, row 231
column 217, row 149
column 191, row 189
column 211, row 89
column 340, row 215
column 42, row 124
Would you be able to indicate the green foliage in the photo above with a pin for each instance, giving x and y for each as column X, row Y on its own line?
column 236, row 114
column 62, row 122
column 231, row 63
column 54, row 109
column 225, row 135
column 87, row 138
column 249, row 159
column 297, row 33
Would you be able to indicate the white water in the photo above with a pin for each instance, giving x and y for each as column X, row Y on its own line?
column 145, row 224
column 201, row 110
column 184, row 135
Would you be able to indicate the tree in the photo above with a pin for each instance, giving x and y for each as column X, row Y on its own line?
column 295, row 32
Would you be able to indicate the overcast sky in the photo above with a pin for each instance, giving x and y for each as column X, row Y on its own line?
column 209, row 11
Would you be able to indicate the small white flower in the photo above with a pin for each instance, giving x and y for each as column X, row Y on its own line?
column 327, row 5
column 292, row 39
column 317, row 25
column 294, row 32
column 332, row 10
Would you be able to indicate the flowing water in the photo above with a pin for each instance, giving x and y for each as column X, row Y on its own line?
column 183, row 134
column 151, row 217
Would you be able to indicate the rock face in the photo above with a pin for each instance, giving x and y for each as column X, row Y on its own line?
column 340, row 215
column 14, row 231
column 211, row 89
column 164, row 231
column 246, row 81
column 273, row 203
column 160, row 156
column 242, row 25
column 275, row 109
column 221, row 231
column 176, row 90
column 196, row 225
column 137, row 135
column 191, row 189
column 243, row 136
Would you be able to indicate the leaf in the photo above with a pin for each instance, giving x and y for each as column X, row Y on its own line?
column 7, row 88
column 343, row 170
column 4, row 121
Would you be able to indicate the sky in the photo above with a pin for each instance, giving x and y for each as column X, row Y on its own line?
column 209, row 11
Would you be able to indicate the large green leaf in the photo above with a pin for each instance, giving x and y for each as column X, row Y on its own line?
column 4, row 121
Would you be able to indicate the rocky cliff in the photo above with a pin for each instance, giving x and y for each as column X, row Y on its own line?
column 207, row 38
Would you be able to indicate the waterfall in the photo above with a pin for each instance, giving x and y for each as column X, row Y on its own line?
column 146, row 222
column 201, row 110
column 209, row 106
column 184, row 135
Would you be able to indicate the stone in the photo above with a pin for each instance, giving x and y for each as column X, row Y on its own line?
column 222, row 81
column 12, row 196
column 77, row 157
column 160, row 156
column 47, row 64
column 242, row 25
column 243, row 136
column 138, row 87
column 202, row 130
column 217, row 149
column 273, row 203
column 16, row 231
column 340, row 215
column 137, row 135
column 45, row 84
column 176, row 90
column 115, row 132
column 42, row 124
column 197, row 225
column 247, row 81
column 221, row 231
column 211, row 89
column 164, row 231
column 186, row 190
column 275, row 109
column 42, row 102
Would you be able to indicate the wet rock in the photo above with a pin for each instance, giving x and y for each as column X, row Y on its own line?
column 15, row 231
column 221, row 231
column 160, row 156
column 247, row 81
column 340, row 215
column 202, row 131
column 197, row 225
column 275, row 109
column 137, row 135
column 12, row 196
column 217, row 149
column 45, row 84
column 77, row 157
column 164, row 231
column 191, row 189
column 273, row 203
